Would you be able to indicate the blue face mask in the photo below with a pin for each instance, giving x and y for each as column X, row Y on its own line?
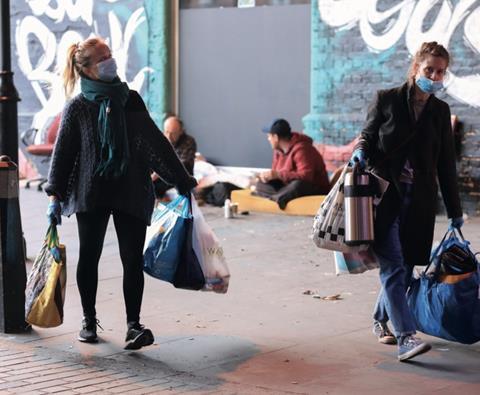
column 427, row 85
column 107, row 70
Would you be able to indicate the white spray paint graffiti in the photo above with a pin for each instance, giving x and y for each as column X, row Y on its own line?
column 44, row 75
column 407, row 18
column 74, row 11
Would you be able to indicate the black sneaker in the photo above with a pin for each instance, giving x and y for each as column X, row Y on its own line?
column 88, row 333
column 138, row 336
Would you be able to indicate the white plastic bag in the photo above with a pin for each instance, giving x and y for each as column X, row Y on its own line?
column 329, row 223
column 209, row 253
column 355, row 262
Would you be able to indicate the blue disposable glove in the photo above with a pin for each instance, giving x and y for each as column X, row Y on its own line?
column 456, row 222
column 358, row 156
column 54, row 213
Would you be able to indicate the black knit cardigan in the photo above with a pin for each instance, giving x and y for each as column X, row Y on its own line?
column 72, row 176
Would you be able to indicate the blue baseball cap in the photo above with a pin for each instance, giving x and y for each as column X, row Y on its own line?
column 279, row 127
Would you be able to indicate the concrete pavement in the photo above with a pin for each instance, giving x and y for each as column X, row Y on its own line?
column 265, row 336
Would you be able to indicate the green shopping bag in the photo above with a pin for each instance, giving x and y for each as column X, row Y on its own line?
column 45, row 290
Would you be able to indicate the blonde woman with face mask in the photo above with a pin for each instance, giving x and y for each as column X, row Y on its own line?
column 106, row 148
column 408, row 140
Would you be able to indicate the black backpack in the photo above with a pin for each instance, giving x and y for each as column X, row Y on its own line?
column 219, row 192
column 457, row 258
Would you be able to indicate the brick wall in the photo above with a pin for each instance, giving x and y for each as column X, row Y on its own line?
column 359, row 47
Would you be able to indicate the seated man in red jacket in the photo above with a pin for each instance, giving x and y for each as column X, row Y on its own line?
column 297, row 169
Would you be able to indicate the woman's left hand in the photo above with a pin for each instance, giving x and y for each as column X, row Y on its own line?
column 456, row 223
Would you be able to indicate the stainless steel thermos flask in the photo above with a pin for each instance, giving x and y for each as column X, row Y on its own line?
column 358, row 207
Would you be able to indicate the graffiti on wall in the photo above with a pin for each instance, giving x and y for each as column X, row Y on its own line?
column 383, row 24
column 43, row 31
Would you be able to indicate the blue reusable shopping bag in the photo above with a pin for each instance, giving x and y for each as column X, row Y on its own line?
column 164, row 248
column 446, row 310
column 189, row 274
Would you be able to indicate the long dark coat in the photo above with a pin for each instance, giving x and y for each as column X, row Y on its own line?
column 389, row 137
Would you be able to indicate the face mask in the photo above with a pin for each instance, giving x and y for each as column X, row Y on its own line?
column 427, row 85
column 107, row 69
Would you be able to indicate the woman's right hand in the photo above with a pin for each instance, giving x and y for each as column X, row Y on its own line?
column 54, row 212
column 358, row 156
column 186, row 187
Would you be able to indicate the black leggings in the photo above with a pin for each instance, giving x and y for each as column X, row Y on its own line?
column 92, row 227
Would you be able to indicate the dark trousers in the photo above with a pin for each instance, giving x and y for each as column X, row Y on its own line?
column 92, row 227
column 282, row 193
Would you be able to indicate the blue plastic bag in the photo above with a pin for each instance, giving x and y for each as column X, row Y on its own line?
column 189, row 274
column 354, row 262
column 446, row 310
column 166, row 237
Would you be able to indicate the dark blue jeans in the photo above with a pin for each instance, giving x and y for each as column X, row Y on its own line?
column 395, row 275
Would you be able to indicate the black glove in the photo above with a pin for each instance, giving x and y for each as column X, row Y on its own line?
column 186, row 186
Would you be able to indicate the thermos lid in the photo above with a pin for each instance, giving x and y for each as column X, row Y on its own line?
column 357, row 184
column 357, row 179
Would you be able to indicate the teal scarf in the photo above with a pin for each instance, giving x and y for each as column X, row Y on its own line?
column 112, row 128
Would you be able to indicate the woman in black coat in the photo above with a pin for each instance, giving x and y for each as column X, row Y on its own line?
column 106, row 148
column 408, row 141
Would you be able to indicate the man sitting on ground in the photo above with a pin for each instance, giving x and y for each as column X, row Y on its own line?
column 297, row 169
column 185, row 146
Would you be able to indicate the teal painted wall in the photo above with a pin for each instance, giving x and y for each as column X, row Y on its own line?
column 344, row 74
column 159, row 58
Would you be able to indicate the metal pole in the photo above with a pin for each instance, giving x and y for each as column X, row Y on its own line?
column 5, row 62
column 8, row 93
column 12, row 255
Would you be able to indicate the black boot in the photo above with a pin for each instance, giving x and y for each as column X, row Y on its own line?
column 88, row 333
column 138, row 336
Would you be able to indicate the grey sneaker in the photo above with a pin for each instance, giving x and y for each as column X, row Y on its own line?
column 411, row 346
column 383, row 333
column 138, row 336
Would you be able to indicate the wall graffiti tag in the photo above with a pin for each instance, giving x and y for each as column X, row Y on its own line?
column 43, row 31
column 382, row 25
